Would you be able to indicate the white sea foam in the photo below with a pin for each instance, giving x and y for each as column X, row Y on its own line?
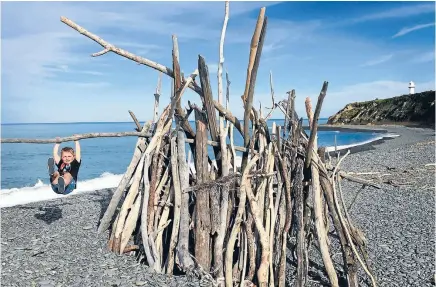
column 42, row 191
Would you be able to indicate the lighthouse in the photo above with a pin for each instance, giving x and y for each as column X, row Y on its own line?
column 411, row 88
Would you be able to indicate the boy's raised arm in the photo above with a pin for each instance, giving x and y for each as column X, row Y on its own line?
column 77, row 150
column 56, row 156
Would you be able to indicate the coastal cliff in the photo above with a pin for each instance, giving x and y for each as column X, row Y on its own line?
column 417, row 108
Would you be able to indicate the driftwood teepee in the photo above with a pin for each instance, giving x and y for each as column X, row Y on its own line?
column 228, row 222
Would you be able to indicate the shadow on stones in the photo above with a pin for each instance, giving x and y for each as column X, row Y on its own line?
column 50, row 215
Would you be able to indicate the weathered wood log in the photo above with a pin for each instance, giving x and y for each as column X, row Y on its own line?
column 166, row 202
column 237, row 223
column 345, row 226
column 248, row 99
column 183, row 258
column 253, row 50
column 135, row 120
column 301, row 234
column 320, row 227
column 130, row 223
column 127, row 205
column 177, row 203
column 156, row 168
column 156, row 98
column 109, row 213
column 207, row 98
column 202, row 216
column 223, row 205
column 350, row 268
column 263, row 269
column 152, row 260
column 143, row 134
column 297, row 184
column 315, row 123
column 358, row 180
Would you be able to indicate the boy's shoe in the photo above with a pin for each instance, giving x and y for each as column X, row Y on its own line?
column 51, row 169
column 61, row 185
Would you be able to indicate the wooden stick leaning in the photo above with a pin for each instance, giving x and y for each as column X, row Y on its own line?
column 127, row 205
column 109, row 213
column 237, row 222
column 141, row 60
column 177, row 203
column 183, row 258
column 156, row 98
column 248, row 98
column 218, row 252
column 135, row 120
column 344, row 225
column 317, row 195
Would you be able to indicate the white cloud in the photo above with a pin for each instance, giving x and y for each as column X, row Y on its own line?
column 378, row 61
column 408, row 30
column 424, row 57
column 400, row 12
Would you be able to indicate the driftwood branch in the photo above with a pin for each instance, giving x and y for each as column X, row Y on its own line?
column 141, row 60
column 138, row 125
column 315, row 123
column 76, row 137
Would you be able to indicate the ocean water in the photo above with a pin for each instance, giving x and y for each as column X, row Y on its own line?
column 24, row 175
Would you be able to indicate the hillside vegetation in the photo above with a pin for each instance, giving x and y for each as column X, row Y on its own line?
column 418, row 108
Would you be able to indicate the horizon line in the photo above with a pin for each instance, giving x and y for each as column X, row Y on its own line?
column 122, row 122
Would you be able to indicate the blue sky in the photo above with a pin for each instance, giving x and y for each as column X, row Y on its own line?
column 365, row 50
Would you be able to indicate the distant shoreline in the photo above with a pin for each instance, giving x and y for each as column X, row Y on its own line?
column 126, row 122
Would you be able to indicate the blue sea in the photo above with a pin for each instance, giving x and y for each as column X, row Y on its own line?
column 104, row 160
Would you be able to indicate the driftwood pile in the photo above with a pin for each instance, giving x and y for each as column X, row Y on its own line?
column 226, row 220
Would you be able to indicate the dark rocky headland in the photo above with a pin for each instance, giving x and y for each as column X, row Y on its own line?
column 415, row 109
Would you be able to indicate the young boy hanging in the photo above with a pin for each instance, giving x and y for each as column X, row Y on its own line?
column 64, row 180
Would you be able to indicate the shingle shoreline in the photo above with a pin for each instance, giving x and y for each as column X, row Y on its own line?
column 54, row 243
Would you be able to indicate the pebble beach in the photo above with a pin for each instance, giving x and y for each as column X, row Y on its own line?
column 54, row 243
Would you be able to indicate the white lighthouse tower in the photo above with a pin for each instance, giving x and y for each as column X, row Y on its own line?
column 411, row 88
